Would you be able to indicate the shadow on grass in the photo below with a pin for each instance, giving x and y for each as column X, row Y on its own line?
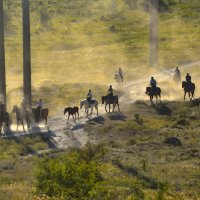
column 148, row 182
column 117, row 116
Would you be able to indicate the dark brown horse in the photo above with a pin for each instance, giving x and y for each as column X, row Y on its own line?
column 108, row 100
column 188, row 88
column 153, row 91
column 4, row 119
column 72, row 111
column 39, row 116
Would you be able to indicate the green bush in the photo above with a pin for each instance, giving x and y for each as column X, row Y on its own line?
column 70, row 176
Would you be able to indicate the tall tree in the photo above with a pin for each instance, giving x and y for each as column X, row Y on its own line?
column 26, row 52
column 153, row 32
column 2, row 57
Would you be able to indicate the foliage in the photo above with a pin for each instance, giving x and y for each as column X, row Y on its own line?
column 70, row 176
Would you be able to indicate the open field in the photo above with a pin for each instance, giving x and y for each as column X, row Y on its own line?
column 146, row 152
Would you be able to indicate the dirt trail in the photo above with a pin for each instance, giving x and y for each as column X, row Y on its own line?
column 72, row 135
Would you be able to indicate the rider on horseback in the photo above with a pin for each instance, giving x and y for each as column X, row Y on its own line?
column 89, row 96
column 153, row 82
column 39, row 106
column 110, row 92
column 188, row 78
column 121, row 73
column 177, row 71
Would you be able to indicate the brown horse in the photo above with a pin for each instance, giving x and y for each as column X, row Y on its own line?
column 153, row 92
column 108, row 100
column 4, row 119
column 40, row 115
column 72, row 111
column 188, row 88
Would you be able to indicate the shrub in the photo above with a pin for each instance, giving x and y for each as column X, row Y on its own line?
column 70, row 176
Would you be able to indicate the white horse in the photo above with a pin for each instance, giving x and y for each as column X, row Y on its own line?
column 118, row 78
column 87, row 106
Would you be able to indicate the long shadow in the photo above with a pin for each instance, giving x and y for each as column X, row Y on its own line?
column 149, row 182
column 28, row 150
column 117, row 116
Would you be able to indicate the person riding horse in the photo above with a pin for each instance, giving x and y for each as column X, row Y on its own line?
column 39, row 106
column 110, row 92
column 188, row 78
column 177, row 71
column 121, row 74
column 89, row 96
column 153, row 83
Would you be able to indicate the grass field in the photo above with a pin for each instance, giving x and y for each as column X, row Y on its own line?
column 78, row 45
column 87, row 44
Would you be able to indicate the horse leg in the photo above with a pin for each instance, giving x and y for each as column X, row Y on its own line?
column 78, row 115
column 118, row 107
column 184, row 96
column 17, row 125
column 68, row 119
column 45, row 121
column 23, row 125
column 97, row 111
column 106, row 108
column 91, row 111
column 109, row 107
column 151, row 99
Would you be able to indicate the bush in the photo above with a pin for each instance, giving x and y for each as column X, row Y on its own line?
column 70, row 176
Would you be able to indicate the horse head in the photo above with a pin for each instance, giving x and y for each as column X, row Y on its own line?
column 81, row 104
column 148, row 90
column 15, row 108
column 184, row 84
column 66, row 110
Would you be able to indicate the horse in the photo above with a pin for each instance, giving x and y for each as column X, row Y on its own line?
column 85, row 103
column 4, row 118
column 39, row 116
column 153, row 92
column 118, row 78
column 108, row 100
column 177, row 78
column 188, row 88
column 72, row 111
column 19, row 116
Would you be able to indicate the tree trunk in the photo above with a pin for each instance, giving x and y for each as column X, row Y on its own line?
column 2, row 57
column 26, row 52
column 153, row 32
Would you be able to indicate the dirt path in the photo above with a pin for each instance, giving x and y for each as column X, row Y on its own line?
column 72, row 135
